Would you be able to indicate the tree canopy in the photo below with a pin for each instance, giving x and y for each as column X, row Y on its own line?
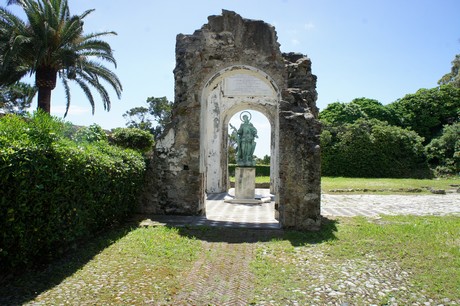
column 371, row 148
column 359, row 108
column 50, row 43
column 453, row 77
column 16, row 98
column 428, row 110
column 444, row 152
column 152, row 118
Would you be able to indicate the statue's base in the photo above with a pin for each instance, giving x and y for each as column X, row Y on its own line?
column 244, row 201
column 260, row 198
column 245, row 183
column 245, row 188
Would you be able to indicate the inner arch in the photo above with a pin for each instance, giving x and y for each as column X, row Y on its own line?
column 227, row 92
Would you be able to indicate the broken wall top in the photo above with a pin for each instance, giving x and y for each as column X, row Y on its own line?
column 226, row 40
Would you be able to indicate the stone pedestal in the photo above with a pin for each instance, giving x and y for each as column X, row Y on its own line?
column 245, row 186
column 245, row 183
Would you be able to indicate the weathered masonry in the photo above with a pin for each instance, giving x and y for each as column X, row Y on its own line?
column 229, row 65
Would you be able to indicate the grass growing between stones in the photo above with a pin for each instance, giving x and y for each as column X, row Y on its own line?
column 139, row 267
column 400, row 260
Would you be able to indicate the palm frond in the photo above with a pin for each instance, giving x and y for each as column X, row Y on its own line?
column 51, row 39
column 87, row 92
column 67, row 93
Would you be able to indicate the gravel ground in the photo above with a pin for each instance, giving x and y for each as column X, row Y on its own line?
column 222, row 276
column 367, row 281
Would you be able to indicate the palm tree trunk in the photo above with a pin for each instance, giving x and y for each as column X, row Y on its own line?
column 44, row 99
column 45, row 80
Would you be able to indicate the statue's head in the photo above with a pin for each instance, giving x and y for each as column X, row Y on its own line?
column 245, row 118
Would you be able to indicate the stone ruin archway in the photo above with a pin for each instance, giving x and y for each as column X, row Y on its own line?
column 229, row 91
column 232, row 64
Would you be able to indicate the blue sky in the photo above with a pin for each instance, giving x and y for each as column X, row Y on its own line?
column 380, row 49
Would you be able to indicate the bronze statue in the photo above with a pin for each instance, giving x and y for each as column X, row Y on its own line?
column 246, row 144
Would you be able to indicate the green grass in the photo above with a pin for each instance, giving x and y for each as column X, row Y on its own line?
column 377, row 185
column 259, row 179
column 426, row 247
column 387, row 184
column 138, row 266
column 141, row 265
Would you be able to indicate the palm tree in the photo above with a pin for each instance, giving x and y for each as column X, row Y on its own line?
column 51, row 44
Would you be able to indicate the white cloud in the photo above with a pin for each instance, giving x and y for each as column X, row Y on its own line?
column 295, row 41
column 309, row 26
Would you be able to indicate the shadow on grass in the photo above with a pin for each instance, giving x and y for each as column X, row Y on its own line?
column 250, row 235
column 20, row 287
column 24, row 287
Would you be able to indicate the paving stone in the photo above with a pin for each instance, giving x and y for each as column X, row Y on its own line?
column 262, row 215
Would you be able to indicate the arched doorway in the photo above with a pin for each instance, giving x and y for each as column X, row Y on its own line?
column 233, row 63
column 227, row 92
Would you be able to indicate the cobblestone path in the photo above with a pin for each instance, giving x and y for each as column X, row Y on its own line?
column 222, row 274
column 372, row 205
column 220, row 277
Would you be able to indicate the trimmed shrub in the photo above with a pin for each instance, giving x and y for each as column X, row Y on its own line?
column 428, row 110
column 55, row 191
column 132, row 138
column 92, row 133
column 444, row 152
column 371, row 148
column 261, row 170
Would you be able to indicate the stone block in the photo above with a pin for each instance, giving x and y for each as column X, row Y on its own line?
column 245, row 182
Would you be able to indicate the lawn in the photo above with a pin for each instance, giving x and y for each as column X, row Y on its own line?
column 329, row 184
column 378, row 185
column 410, row 259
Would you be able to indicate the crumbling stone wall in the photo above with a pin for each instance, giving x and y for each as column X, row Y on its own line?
column 176, row 178
column 300, row 163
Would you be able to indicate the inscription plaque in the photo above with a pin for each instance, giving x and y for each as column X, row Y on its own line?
column 245, row 85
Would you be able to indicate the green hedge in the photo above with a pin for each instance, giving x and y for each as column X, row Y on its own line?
column 55, row 191
column 372, row 148
column 261, row 170
column 132, row 138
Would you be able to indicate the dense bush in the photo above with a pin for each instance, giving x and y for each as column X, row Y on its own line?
column 359, row 108
column 428, row 110
column 55, row 191
column 444, row 152
column 261, row 170
column 132, row 138
column 92, row 133
column 371, row 148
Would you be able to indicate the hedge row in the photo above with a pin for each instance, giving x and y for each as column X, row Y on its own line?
column 261, row 170
column 372, row 148
column 55, row 191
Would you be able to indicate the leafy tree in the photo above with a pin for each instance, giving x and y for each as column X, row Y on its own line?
column 371, row 148
column 428, row 110
column 444, row 152
column 90, row 134
column 453, row 77
column 265, row 160
column 51, row 44
column 139, row 118
column 132, row 138
column 153, row 118
column 364, row 108
column 232, row 144
column 16, row 98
